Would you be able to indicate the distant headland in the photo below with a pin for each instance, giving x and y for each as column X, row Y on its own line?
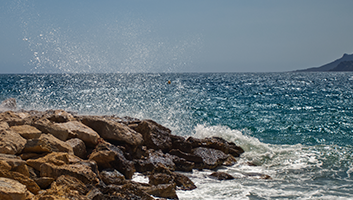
column 345, row 63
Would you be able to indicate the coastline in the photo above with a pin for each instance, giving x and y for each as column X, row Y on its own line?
column 54, row 153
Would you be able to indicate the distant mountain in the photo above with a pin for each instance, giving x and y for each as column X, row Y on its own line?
column 344, row 66
column 331, row 66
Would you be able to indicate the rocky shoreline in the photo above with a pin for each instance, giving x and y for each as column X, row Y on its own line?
column 56, row 154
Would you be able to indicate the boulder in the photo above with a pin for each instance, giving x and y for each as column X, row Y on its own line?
column 112, row 176
column 158, row 157
column 78, row 147
column 56, row 158
column 211, row 158
column 161, row 190
column 27, row 131
column 46, row 126
column 72, row 183
column 12, row 190
column 11, row 142
column 112, row 130
column 4, row 125
column 15, row 163
column 187, row 156
column 47, row 143
column 25, row 180
column 180, row 143
column 59, row 116
column 217, row 143
column 128, row 191
column 221, row 176
column 14, row 118
column 155, row 136
column 78, row 130
column 109, row 156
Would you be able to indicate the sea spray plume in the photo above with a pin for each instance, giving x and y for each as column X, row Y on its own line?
column 124, row 43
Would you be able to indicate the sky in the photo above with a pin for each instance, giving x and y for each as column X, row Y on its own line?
column 109, row 36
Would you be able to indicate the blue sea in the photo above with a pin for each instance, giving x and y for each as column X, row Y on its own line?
column 296, row 127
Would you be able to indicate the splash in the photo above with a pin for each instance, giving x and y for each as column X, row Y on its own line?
column 127, row 44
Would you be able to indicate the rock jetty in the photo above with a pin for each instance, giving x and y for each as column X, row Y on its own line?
column 56, row 154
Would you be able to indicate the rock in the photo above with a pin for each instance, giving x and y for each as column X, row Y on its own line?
column 158, row 157
column 46, row 126
column 25, row 180
column 72, row 183
column 78, row 147
column 47, row 143
column 108, row 156
column 16, row 164
column 27, row 131
column 57, row 164
column 179, row 142
column 212, row 158
column 11, row 142
column 81, row 131
column 12, row 190
column 8, row 104
column 258, row 176
column 4, row 126
column 180, row 180
column 59, row 116
column 111, row 130
column 155, row 135
column 95, row 194
column 162, row 190
column 217, row 143
column 230, row 161
column 44, row 182
column 112, row 176
column 14, row 118
column 186, row 156
column 128, row 191
column 222, row 176
column 182, row 165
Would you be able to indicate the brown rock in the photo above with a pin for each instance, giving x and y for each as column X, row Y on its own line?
column 11, row 142
column 78, row 147
column 162, row 190
column 47, row 143
column 109, row 156
column 27, row 131
column 128, row 191
column 72, row 183
column 155, row 135
column 12, row 190
column 186, row 156
column 230, row 161
column 4, row 125
column 16, row 164
column 59, row 116
column 56, row 158
column 112, row 130
column 180, row 143
column 25, row 180
column 212, row 158
column 44, row 182
column 46, row 126
column 13, row 118
column 112, row 176
column 81, row 131
column 222, row 176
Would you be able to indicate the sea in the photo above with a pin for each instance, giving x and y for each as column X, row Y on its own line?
column 296, row 128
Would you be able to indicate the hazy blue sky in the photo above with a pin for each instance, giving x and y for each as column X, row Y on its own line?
column 172, row 36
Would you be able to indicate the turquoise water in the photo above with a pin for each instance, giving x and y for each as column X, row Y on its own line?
column 298, row 127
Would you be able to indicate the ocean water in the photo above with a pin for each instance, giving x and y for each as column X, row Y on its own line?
column 296, row 127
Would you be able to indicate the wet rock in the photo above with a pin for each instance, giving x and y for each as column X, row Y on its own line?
column 143, row 165
column 222, row 176
column 47, row 143
column 162, row 190
column 11, row 189
column 217, row 143
column 46, row 126
column 230, row 161
column 27, row 131
column 180, row 143
column 109, row 156
column 159, row 158
column 8, row 104
column 111, row 130
column 78, row 130
column 258, row 176
column 187, row 156
column 11, row 142
column 182, row 165
column 128, row 191
column 155, row 135
column 112, row 176
column 212, row 158
column 78, row 147
column 95, row 194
